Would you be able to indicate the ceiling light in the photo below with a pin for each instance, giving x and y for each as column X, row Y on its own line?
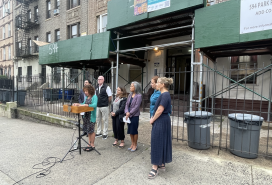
column 156, row 48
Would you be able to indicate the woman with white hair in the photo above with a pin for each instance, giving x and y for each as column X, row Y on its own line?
column 132, row 111
column 161, row 141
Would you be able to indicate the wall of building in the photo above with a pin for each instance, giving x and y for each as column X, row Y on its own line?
column 6, row 63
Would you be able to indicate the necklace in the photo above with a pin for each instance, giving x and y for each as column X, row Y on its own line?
column 117, row 99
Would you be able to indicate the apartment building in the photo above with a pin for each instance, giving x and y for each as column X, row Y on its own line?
column 6, row 35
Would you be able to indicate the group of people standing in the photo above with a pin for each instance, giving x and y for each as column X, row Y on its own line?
column 127, row 109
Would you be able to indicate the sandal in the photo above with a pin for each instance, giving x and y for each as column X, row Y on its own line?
column 153, row 173
column 115, row 144
column 121, row 147
column 88, row 149
column 84, row 148
column 161, row 167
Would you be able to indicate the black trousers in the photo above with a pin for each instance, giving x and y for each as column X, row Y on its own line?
column 118, row 128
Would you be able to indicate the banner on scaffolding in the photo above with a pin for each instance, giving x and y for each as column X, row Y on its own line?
column 140, row 7
column 154, row 5
column 255, row 15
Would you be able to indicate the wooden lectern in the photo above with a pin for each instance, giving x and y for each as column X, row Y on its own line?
column 77, row 110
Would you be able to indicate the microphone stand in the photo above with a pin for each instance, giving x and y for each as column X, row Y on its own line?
column 79, row 138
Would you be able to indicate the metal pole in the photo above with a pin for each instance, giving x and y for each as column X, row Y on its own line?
column 142, row 78
column 146, row 67
column 51, row 94
column 200, row 82
column 192, row 66
column 117, row 61
column 63, row 85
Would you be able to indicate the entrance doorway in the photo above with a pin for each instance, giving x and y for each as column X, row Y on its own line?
column 179, row 66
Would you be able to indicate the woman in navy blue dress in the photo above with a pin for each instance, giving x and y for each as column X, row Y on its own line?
column 161, row 140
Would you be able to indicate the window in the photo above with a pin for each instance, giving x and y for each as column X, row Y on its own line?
column 29, row 15
column 9, row 30
column 73, row 3
column 36, row 46
column 48, row 13
column 4, row 10
column 48, row 37
column 74, row 30
column 4, row 54
column 4, row 35
column 9, row 52
column 29, row 73
column 57, row 4
column 57, row 35
column 57, row 74
column 29, row 46
column 242, row 66
column 36, row 13
column 102, row 23
column 9, row 6
column 73, row 75
column 19, row 74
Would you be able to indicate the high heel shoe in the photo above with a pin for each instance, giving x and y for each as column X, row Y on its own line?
column 134, row 150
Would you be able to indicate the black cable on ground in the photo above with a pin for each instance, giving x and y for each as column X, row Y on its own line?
column 47, row 161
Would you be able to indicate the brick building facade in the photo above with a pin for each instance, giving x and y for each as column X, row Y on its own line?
column 57, row 20
column 6, row 38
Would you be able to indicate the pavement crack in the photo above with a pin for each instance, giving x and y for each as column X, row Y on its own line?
column 7, row 175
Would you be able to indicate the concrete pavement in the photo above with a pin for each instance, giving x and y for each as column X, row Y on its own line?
column 24, row 144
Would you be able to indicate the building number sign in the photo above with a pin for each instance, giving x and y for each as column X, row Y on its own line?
column 53, row 48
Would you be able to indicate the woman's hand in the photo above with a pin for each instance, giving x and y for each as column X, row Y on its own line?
column 113, row 114
column 151, row 121
column 76, row 104
column 127, row 115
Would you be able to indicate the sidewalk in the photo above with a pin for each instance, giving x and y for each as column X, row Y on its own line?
column 24, row 144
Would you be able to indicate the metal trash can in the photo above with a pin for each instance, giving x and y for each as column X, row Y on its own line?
column 198, row 129
column 21, row 97
column 245, row 134
column 1, row 95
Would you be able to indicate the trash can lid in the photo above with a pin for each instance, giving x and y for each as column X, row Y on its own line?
column 198, row 114
column 245, row 117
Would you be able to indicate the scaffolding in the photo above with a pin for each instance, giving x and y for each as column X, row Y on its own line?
column 24, row 23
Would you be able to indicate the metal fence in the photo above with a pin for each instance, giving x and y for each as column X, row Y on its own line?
column 219, row 90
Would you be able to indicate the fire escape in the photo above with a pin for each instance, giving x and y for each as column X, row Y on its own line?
column 24, row 23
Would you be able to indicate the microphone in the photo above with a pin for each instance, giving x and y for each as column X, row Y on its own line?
column 73, row 97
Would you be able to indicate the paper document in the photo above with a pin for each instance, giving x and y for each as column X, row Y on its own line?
column 82, row 113
column 126, row 120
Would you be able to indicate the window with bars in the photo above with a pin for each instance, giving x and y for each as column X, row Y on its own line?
column 57, row 4
column 243, row 66
column 36, row 13
column 102, row 23
column 29, row 15
column 36, row 46
column 29, row 73
column 19, row 74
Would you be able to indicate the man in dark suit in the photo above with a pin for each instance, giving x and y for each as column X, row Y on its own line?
column 82, row 97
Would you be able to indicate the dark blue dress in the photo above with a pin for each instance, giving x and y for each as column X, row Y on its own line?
column 161, row 140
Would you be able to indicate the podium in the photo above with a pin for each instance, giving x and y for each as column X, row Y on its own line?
column 77, row 110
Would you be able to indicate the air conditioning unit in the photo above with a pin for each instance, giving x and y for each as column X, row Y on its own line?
column 56, row 11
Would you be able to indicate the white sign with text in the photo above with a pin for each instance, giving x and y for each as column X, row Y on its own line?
column 255, row 15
